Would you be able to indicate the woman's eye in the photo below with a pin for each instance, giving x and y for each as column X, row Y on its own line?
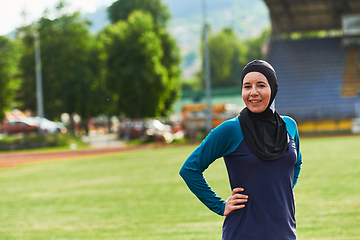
column 261, row 86
column 247, row 86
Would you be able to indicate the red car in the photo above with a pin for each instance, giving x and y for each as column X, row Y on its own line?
column 134, row 129
column 25, row 126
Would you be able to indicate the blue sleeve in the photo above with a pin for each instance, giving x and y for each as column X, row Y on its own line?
column 293, row 131
column 221, row 141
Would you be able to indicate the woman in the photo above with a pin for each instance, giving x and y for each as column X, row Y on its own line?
column 262, row 157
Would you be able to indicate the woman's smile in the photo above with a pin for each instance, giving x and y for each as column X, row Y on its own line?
column 256, row 92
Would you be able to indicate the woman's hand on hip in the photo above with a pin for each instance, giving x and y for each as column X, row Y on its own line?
column 235, row 201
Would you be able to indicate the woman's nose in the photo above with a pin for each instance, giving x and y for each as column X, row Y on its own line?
column 254, row 92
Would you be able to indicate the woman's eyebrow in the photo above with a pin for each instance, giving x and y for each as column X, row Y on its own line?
column 256, row 82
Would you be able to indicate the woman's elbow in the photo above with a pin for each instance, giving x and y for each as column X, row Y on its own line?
column 182, row 171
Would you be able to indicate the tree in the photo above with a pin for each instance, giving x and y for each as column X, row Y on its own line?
column 68, row 68
column 27, row 92
column 255, row 46
column 135, row 75
column 227, row 58
column 121, row 9
column 171, row 61
column 9, row 81
column 169, row 56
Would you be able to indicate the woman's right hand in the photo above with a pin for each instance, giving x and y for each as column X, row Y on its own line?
column 235, row 201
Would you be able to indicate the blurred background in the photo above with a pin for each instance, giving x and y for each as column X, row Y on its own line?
column 87, row 80
column 169, row 71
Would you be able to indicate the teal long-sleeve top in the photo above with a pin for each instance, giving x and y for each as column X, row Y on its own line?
column 223, row 141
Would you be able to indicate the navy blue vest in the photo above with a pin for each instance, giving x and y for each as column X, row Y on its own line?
column 270, row 211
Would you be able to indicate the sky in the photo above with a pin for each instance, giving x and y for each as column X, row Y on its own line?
column 10, row 10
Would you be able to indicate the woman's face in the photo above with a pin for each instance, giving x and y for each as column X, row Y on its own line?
column 256, row 92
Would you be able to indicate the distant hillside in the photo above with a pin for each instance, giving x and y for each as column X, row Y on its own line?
column 187, row 8
column 248, row 17
column 99, row 19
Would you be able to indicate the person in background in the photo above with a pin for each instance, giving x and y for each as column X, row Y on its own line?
column 261, row 151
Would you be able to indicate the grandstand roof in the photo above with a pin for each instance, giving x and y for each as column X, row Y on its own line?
column 308, row 15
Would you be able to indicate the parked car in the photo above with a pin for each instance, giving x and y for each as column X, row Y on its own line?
column 132, row 129
column 24, row 126
column 159, row 132
column 150, row 129
column 50, row 126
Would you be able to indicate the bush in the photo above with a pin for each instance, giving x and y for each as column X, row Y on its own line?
column 35, row 140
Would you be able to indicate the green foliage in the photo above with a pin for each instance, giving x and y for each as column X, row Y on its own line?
column 9, row 80
column 227, row 58
column 135, row 75
column 35, row 141
column 255, row 46
column 131, row 67
column 170, row 60
column 191, row 84
column 309, row 34
column 98, row 198
column 142, row 66
column 121, row 9
column 165, row 61
column 69, row 66
column 27, row 93
column 229, row 55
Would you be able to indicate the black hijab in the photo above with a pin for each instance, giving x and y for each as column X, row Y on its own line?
column 265, row 133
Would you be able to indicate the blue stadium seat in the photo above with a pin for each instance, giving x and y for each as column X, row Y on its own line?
column 310, row 75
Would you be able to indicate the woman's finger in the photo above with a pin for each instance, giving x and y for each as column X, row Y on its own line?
column 238, row 195
column 239, row 200
column 239, row 206
column 236, row 190
column 235, row 207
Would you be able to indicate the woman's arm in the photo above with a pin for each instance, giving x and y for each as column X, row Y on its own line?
column 293, row 131
column 220, row 141
column 299, row 158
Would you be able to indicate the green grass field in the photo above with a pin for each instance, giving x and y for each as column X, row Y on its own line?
column 139, row 195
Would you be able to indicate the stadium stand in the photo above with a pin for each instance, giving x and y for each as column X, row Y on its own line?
column 351, row 85
column 310, row 74
column 319, row 78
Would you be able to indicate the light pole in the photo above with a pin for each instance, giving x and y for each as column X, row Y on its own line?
column 207, row 70
column 40, row 105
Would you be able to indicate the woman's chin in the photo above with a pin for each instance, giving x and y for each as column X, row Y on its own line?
column 256, row 109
